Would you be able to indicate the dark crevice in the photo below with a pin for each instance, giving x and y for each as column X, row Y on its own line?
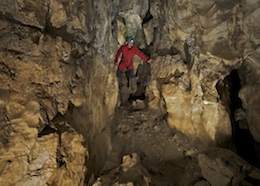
column 61, row 126
column 58, row 125
column 148, row 17
column 189, row 58
column 252, row 180
column 54, row 32
column 61, row 32
column 242, row 139
column 59, row 158
column 47, row 130
column 10, row 72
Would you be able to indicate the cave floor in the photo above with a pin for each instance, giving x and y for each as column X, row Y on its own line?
column 162, row 158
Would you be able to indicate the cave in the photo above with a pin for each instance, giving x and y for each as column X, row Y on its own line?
column 242, row 138
column 242, row 141
column 193, row 118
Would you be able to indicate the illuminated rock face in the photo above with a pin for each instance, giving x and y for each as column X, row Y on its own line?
column 59, row 90
column 212, row 39
column 191, row 99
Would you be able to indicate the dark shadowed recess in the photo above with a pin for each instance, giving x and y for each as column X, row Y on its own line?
column 242, row 140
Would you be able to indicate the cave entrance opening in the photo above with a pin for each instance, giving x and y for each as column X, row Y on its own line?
column 242, row 140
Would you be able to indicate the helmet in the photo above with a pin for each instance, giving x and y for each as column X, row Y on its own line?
column 130, row 39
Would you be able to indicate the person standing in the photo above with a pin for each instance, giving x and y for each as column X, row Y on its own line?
column 127, row 52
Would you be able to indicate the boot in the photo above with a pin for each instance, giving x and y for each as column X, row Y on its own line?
column 133, row 84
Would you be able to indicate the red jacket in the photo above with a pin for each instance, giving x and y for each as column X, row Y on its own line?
column 127, row 56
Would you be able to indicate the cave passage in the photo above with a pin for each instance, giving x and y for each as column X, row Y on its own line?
column 242, row 138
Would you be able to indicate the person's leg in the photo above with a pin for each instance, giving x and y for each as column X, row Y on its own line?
column 127, row 73
column 119, row 78
column 131, row 73
column 132, row 80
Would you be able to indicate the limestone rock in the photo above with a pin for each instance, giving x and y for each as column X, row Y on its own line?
column 202, row 183
column 31, row 13
column 31, row 161
column 58, row 81
column 72, row 160
column 249, row 94
column 227, row 170
column 189, row 107
column 133, row 14
column 131, row 172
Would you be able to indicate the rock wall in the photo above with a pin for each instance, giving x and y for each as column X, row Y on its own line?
column 204, row 42
column 57, row 91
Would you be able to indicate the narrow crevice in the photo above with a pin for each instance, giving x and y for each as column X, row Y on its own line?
column 148, row 17
column 59, row 158
column 60, row 32
column 242, row 139
column 54, row 32
column 9, row 72
column 46, row 131
column 61, row 125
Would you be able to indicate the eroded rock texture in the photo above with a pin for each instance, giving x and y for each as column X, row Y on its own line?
column 59, row 90
column 55, row 106
column 212, row 38
column 204, row 42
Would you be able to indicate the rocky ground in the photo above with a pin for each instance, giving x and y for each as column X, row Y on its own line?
column 151, row 152
column 145, row 151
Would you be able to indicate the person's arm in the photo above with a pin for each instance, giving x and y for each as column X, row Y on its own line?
column 118, row 54
column 141, row 55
